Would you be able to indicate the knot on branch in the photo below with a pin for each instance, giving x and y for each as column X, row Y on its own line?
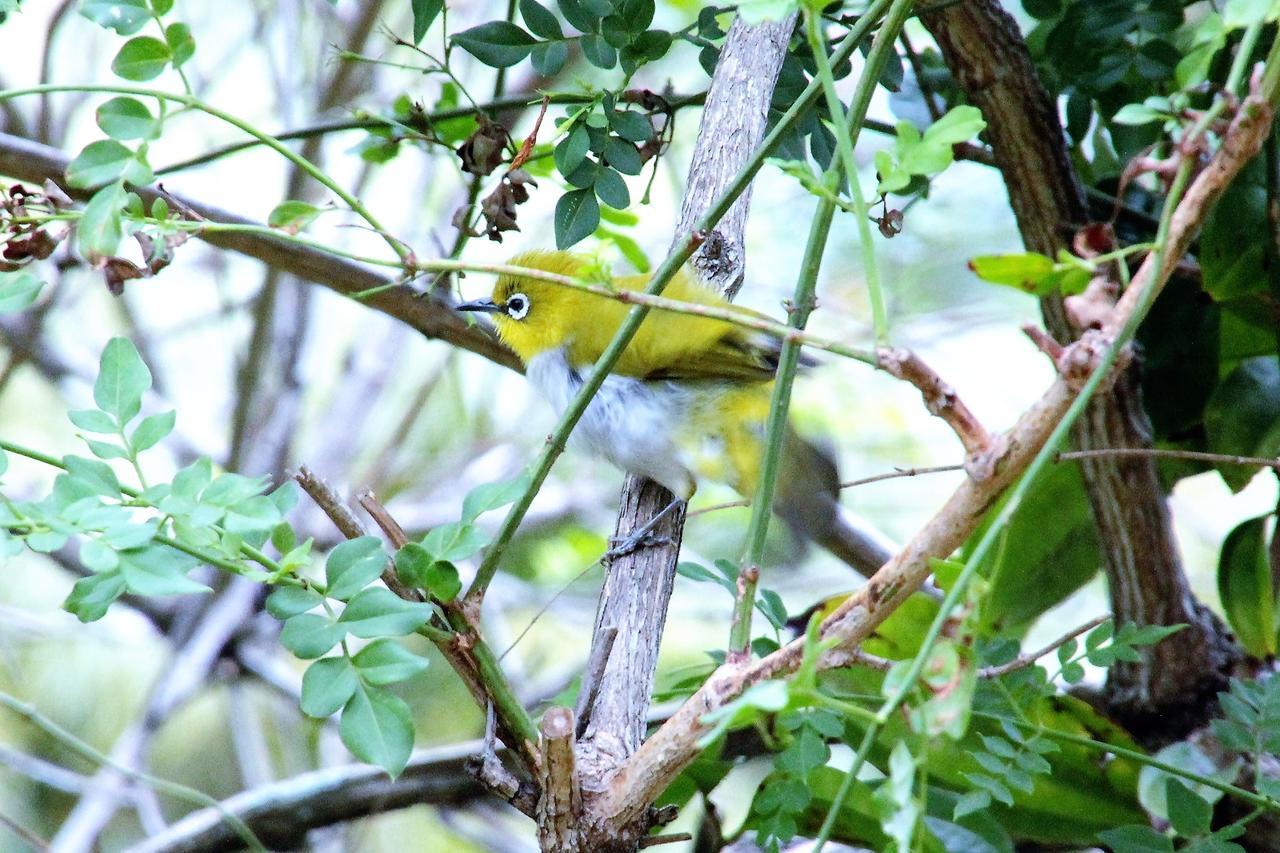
column 939, row 398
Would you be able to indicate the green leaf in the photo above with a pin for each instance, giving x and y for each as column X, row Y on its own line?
column 631, row 125
column 152, row 429
column 455, row 541
column 158, row 570
column 612, row 189
column 126, row 17
column 442, row 581
column 1135, row 839
column 327, row 685
column 127, row 118
column 577, row 215
column 289, row 601
column 960, row 124
column 182, row 45
column 599, row 52
column 549, row 57
column 161, row 7
column 540, row 20
column 293, row 216
column 807, row 751
column 1138, row 114
column 353, row 565
column 1051, row 549
column 98, row 476
column 122, row 380
column 972, row 801
column 765, row 697
column 572, row 150
column 1023, row 270
column 378, row 612
column 490, row 496
column 581, row 15
column 18, row 289
column 499, row 44
column 992, row 786
column 90, row 597
column 623, row 156
column 107, row 450
column 1189, row 814
column 1247, row 588
column 1242, row 417
column 141, row 58
column 100, row 228
column 387, row 662
column 412, row 563
column 105, row 161
column 97, row 556
column 770, row 605
column 310, row 635
column 424, row 14
column 378, row 728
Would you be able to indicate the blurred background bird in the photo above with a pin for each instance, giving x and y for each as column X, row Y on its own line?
column 687, row 401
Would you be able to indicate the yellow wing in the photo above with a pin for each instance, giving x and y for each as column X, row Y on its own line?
column 672, row 345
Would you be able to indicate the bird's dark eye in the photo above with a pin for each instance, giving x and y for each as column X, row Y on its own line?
column 517, row 306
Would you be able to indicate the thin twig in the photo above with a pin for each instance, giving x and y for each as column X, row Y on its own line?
column 1162, row 453
column 1026, row 660
column 386, row 523
column 900, row 472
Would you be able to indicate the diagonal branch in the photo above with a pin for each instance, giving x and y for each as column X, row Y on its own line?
column 35, row 163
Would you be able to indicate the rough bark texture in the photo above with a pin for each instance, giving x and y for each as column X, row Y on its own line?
column 638, row 586
column 1171, row 690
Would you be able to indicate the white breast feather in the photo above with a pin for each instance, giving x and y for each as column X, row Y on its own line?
column 629, row 421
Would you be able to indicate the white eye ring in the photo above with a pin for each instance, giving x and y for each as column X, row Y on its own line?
column 517, row 306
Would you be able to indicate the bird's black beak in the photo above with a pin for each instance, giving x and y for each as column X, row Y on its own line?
column 488, row 306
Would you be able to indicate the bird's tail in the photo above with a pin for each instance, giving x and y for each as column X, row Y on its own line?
column 807, row 498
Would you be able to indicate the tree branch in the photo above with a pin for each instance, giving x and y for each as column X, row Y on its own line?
column 35, row 163
column 281, row 813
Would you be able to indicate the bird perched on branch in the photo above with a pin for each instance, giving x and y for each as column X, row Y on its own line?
column 687, row 401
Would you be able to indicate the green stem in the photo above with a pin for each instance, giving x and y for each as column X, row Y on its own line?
column 846, row 133
column 270, row 141
column 1240, row 64
column 191, row 795
column 806, row 285
column 376, row 123
column 1142, row 758
column 776, row 426
column 662, row 275
column 506, row 706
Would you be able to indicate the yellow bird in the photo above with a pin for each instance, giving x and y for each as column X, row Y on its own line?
column 687, row 401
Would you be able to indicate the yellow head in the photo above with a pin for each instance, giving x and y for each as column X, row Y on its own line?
column 534, row 316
